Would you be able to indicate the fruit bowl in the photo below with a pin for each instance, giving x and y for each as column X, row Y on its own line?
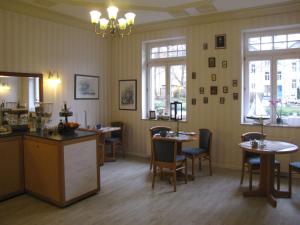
column 72, row 125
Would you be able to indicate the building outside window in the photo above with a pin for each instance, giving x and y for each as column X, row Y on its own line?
column 274, row 52
column 165, row 79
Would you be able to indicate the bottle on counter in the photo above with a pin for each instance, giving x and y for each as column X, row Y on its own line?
column 31, row 123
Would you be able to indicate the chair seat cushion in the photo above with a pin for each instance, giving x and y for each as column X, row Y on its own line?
column 193, row 151
column 112, row 140
column 255, row 161
column 180, row 157
column 295, row 165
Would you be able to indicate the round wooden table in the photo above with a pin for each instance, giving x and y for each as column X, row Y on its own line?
column 267, row 157
column 178, row 139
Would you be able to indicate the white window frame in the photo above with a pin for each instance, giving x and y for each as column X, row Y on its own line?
column 167, row 62
column 273, row 56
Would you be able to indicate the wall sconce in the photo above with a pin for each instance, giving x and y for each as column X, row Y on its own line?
column 53, row 79
column 4, row 87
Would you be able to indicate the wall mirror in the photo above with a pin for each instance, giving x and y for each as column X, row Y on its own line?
column 21, row 88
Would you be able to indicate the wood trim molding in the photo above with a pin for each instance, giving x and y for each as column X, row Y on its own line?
column 42, row 13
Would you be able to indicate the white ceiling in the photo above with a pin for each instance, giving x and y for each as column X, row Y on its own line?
column 148, row 11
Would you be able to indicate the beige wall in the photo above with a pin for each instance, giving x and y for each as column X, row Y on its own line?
column 223, row 120
column 29, row 44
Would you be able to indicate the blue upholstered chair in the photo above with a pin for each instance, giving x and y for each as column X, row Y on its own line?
column 116, row 140
column 165, row 157
column 153, row 131
column 202, row 152
column 252, row 160
column 293, row 166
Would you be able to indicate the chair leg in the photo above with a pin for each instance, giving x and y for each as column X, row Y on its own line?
column 200, row 163
column 210, row 169
column 153, row 177
column 174, row 179
column 185, row 170
column 243, row 172
column 151, row 162
column 193, row 164
column 290, row 182
column 278, row 177
column 113, row 149
column 250, row 178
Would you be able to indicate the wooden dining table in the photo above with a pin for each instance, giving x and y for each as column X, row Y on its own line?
column 102, row 132
column 179, row 139
column 267, row 153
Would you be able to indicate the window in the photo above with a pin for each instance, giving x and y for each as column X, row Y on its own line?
column 271, row 79
column 267, row 76
column 165, row 78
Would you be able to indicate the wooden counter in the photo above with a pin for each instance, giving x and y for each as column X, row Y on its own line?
column 61, row 169
column 11, row 166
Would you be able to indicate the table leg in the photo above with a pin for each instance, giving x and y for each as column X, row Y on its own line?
column 266, row 181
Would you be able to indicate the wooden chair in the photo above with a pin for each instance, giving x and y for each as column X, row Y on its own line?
column 165, row 157
column 153, row 131
column 252, row 160
column 116, row 140
column 293, row 167
column 203, row 151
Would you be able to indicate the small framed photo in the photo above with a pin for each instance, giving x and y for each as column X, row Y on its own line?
column 234, row 83
column 235, row 96
column 213, row 77
column 201, row 90
column 205, row 46
column 193, row 75
column 224, row 64
column 213, row 90
column 225, row 89
column 193, row 101
column 211, row 62
column 205, row 100
column 222, row 100
column 152, row 115
column 220, row 41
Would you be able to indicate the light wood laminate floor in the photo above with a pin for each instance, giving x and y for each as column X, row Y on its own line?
column 126, row 198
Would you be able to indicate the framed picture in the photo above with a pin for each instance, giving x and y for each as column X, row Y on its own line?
column 222, row 100
column 213, row 90
column 205, row 100
column 211, row 62
column 152, row 115
column 213, row 77
column 220, row 41
column 201, row 90
column 86, row 87
column 193, row 75
column 225, row 89
column 224, row 64
column 235, row 96
column 193, row 101
column 127, row 94
column 234, row 83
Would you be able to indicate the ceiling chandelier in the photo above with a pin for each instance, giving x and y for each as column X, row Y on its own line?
column 112, row 26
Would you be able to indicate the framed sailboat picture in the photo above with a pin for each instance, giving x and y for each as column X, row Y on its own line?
column 86, row 87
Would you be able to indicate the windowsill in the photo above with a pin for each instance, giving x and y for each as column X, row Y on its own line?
column 180, row 121
column 270, row 125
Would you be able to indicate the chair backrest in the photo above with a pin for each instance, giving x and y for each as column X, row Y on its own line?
column 251, row 136
column 205, row 138
column 118, row 133
column 164, row 151
column 157, row 129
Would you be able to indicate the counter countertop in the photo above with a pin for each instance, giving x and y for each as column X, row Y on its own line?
column 55, row 137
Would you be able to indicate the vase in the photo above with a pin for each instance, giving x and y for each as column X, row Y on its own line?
column 278, row 120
